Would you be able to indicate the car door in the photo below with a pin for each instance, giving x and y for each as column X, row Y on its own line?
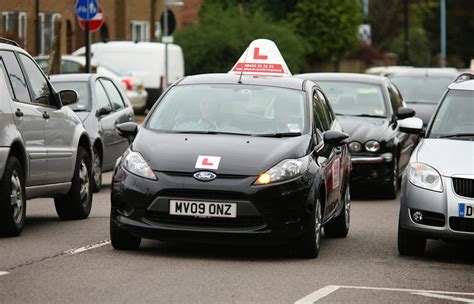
column 407, row 142
column 331, row 164
column 59, row 127
column 28, row 118
column 114, row 144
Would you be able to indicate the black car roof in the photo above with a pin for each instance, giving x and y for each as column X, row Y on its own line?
column 356, row 77
column 281, row 82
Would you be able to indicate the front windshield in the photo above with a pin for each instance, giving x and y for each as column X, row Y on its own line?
column 354, row 98
column 82, row 89
column 432, row 88
column 455, row 116
column 234, row 109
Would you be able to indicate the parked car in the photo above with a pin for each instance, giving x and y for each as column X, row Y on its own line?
column 101, row 106
column 369, row 109
column 224, row 157
column 76, row 64
column 145, row 60
column 437, row 200
column 44, row 148
column 386, row 70
column 422, row 88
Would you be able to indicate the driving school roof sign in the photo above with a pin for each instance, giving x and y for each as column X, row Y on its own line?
column 262, row 57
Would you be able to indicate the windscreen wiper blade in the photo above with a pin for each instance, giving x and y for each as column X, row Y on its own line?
column 369, row 115
column 211, row 132
column 457, row 135
column 283, row 134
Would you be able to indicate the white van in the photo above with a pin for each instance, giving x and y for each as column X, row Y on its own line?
column 145, row 60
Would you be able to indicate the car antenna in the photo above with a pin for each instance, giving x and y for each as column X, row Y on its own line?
column 243, row 66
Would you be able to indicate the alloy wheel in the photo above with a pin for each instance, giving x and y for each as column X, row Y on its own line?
column 16, row 197
column 84, row 178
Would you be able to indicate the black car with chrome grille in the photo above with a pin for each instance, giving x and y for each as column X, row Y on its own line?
column 369, row 109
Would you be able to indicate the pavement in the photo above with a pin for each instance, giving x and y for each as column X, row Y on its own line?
column 56, row 261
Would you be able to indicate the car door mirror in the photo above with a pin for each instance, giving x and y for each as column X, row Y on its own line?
column 104, row 111
column 412, row 125
column 403, row 113
column 68, row 97
column 335, row 138
column 129, row 130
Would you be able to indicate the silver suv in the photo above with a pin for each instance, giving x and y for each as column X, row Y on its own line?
column 44, row 149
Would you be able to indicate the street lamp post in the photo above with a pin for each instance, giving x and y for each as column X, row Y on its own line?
column 443, row 33
column 165, row 39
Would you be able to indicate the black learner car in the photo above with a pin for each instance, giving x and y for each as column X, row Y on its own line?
column 369, row 109
column 219, row 159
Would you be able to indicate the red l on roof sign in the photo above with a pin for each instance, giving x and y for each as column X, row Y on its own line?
column 262, row 57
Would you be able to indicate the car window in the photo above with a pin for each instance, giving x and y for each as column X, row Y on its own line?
column 43, row 64
column 7, row 81
column 17, row 80
column 433, row 87
column 102, row 98
column 69, row 67
column 327, row 109
column 114, row 95
column 319, row 116
column 82, row 90
column 39, row 84
column 395, row 99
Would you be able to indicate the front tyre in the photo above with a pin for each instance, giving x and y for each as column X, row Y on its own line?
column 391, row 190
column 121, row 239
column 12, row 199
column 97, row 170
column 77, row 203
column 410, row 244
column 309, row 244
column 339, row 226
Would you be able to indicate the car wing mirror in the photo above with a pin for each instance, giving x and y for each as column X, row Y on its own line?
column 412, row 125
column 333, row 139
column 104, row 111
column 68, row 97
column 404, row 112
column 129, row 130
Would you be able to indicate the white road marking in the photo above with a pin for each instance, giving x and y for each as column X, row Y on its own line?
column 318, row 294
column 440, row 296
column 3, row 273
column 87, row 247
column 327, row 290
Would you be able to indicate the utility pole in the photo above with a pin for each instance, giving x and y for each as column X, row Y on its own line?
column 443, row 33
column 37, row 25
column 406, row 43
column 88, row 46
column 165, row 34
column 152, row 20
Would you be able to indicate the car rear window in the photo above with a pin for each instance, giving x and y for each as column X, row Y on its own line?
column 82, row 89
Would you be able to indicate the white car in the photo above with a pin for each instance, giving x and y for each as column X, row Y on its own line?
column 437, row 194
column 133, row 86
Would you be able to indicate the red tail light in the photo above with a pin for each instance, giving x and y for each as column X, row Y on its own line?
column 127, row 83
column 161, row 82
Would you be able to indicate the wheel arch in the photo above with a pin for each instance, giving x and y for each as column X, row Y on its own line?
column 17, row 149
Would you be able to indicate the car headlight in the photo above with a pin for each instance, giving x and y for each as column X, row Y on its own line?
column 425, row 177
column 355, row 146
column 134, row 163
column 284, row 170
column 372, row 146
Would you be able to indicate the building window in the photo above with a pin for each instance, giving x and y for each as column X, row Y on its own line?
column 140, row 30
column 46, row 25
column 8, row 19
column 22, row 27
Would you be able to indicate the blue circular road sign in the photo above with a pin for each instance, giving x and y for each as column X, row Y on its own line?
column 87, row 9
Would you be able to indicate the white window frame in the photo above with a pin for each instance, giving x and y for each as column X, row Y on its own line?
column 23, row 27
column 6, row 20
column 144, row 27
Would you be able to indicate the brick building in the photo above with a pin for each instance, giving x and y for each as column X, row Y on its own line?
column 124, row 20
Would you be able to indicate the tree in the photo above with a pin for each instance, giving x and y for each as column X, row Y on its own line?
column 330, row 27
column 224, row 32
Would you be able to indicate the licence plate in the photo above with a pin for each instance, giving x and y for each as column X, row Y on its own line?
column 466, row 210
column 203, row 209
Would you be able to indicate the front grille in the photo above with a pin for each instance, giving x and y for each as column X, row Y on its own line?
column 202, row 194
column 464, row 187
column 177, row 220
column 461, row 224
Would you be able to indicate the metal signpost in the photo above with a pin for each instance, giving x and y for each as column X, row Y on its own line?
column 86, row 10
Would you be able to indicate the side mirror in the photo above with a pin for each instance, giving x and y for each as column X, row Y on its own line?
column 104, row 111
column 68, row 97
column 403, row 113
column 129, row 130
column 412, row 125
column 335, row 138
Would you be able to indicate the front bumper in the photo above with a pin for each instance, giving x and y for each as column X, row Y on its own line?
column 368, row 170
column 442, row 219
column 276, row 213
column 4, row 152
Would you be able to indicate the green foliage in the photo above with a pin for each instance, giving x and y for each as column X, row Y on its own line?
column 226, row 29
column 419, row 51
column 330, row 27
column 224, row 32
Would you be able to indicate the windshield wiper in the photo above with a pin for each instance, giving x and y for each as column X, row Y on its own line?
column 210, row 132
column 457, row 135
column 283, row 134
column 80, row 110
column 369, row 115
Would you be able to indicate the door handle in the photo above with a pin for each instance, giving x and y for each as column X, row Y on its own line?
column 45, row 115
column 19, row 113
